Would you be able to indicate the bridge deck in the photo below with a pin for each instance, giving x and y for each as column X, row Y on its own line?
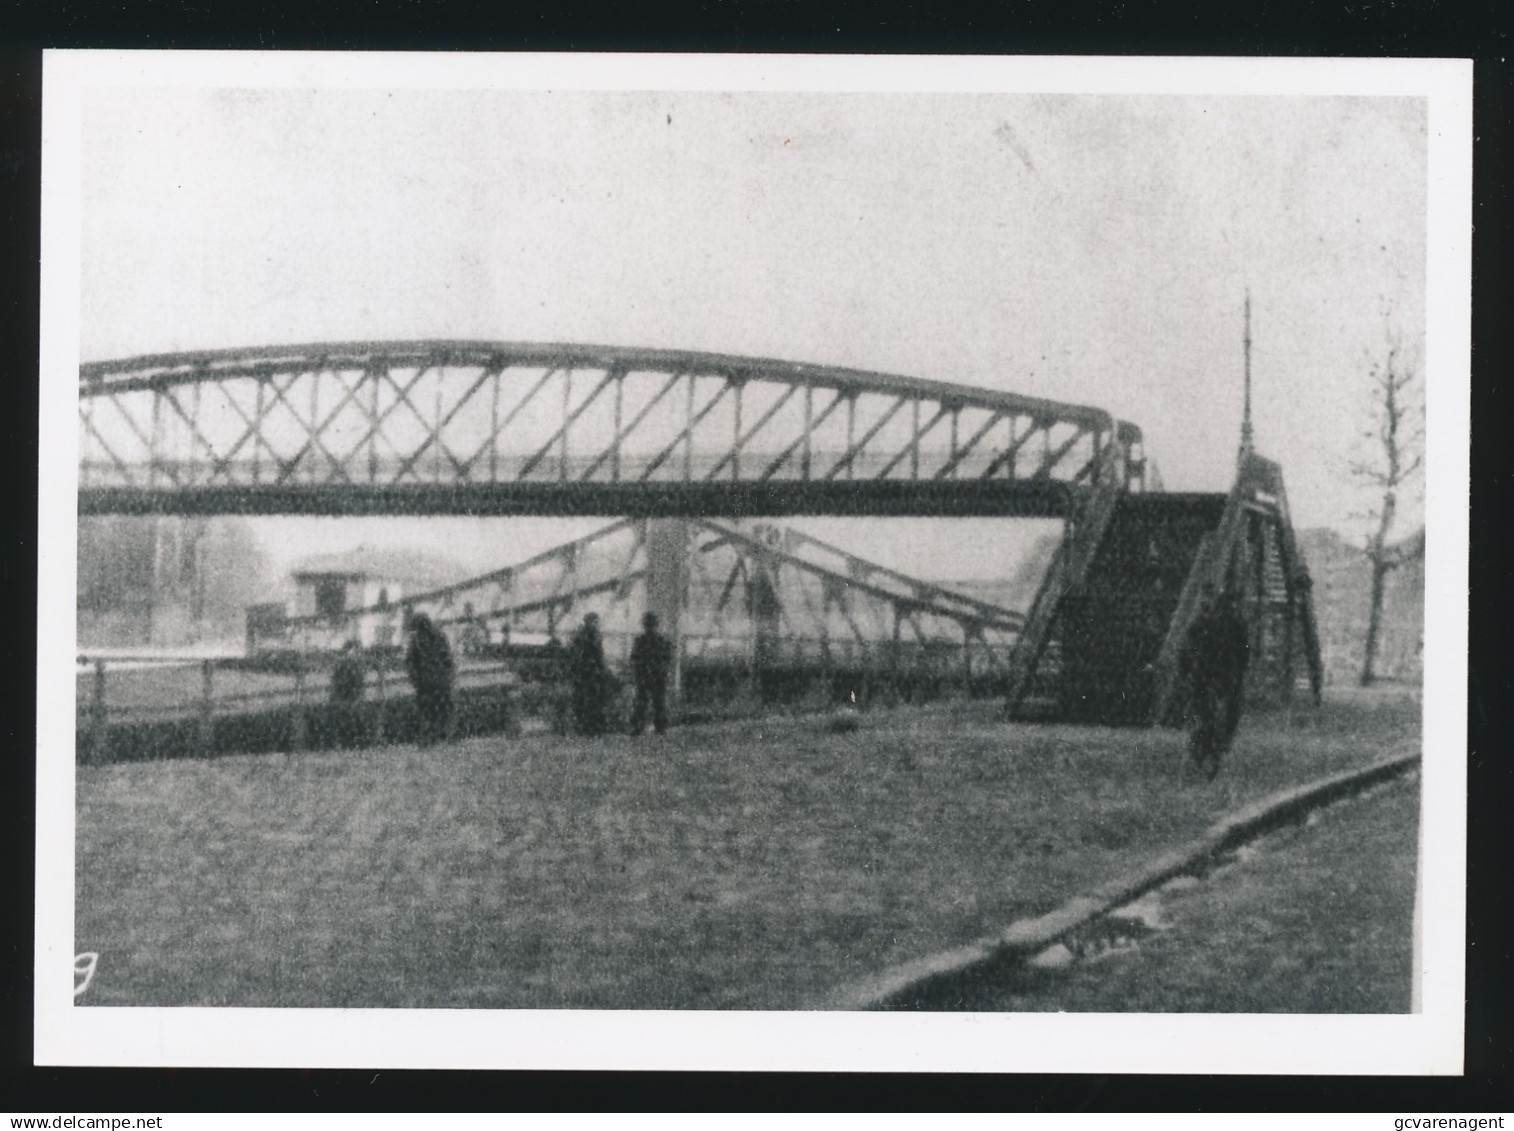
column 516, row 428
column 887, row 498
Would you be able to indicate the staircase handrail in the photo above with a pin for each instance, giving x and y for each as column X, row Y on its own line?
column 1213, row 558
column 1068, row 568
column 1300, row 587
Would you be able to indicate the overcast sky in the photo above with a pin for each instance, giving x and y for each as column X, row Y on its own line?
column 1088, row 249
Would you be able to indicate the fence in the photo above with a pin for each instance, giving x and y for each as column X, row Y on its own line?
column 139, row 708
column 146, row 709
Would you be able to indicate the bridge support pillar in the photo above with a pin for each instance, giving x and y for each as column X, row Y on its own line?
column 667, row 549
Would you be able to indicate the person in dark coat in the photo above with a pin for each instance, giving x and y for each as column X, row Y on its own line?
column 551, row 671
column 651, row 660
column 429, row 663
column 1214, row 659
column 346, row 693
column 590, row 677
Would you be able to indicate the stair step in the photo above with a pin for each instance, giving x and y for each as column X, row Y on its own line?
column 1099, row 644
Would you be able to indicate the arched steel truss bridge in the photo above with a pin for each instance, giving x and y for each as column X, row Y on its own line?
column 758, row 598
column 497, row 428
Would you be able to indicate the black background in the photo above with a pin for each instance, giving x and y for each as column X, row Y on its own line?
column 1353, row 28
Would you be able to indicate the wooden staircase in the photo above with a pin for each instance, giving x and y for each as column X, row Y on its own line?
column 1102, row 639
column 1253, row 549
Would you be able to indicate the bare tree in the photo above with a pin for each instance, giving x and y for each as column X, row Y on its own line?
column 1396, row 440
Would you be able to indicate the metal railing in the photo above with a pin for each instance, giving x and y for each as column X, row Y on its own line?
column 148, row 691
column 294, row 692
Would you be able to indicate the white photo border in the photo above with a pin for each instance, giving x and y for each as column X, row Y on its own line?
column 1427, row 1042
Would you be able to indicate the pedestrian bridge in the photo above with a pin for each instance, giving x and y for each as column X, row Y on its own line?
column 502, row 428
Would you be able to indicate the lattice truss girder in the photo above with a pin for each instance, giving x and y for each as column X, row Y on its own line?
column 844, row 612
column 548, row 594
column 1268, row 583
column 810, row 553
column 859, row 613
column 408, row 414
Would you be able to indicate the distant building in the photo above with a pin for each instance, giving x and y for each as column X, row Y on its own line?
column 335, row 597
column 165, row 581
column 355, row 594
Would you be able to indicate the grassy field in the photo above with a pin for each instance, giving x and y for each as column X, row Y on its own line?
column 756, row 865
column 1314, row 919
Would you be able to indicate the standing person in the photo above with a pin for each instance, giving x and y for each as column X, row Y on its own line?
column 651, row 659
column 346, row 694
column 429, row 663
column 475, row 639
column 1214, row 658
column 552, row 672
column 590, row 677
column 1235, row 657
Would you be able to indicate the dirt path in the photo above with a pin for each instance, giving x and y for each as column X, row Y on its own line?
column 1313, row 918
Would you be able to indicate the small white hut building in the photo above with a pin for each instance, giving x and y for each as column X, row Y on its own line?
column 339, row 598
column 352, row 595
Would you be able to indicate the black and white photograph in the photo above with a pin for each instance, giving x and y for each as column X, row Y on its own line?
column 741, row 561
